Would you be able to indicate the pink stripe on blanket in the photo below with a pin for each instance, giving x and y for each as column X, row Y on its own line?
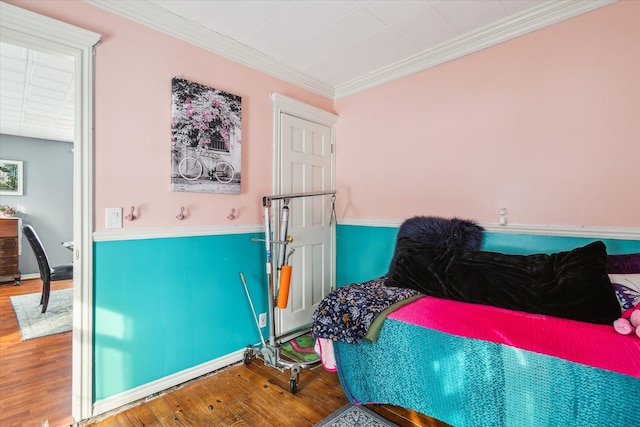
column 586, row 343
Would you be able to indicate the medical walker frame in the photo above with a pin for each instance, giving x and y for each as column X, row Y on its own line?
column 269, row 351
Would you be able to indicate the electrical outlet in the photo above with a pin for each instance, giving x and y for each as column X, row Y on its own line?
column 262, row 320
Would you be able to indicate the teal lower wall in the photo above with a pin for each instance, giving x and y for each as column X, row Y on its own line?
column 526, row 244
column 364, row 252
column 169, row 304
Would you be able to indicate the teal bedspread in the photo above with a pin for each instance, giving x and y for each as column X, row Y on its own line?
column 474, row 383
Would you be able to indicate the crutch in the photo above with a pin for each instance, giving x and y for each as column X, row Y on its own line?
column 283, row 276
column 253, row 310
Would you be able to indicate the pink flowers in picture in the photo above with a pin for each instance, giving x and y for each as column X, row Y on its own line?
column 206, row 131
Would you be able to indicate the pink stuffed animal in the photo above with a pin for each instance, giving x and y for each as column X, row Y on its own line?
column 629, row 323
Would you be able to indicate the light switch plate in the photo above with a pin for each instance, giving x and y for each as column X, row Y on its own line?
column 114, row 217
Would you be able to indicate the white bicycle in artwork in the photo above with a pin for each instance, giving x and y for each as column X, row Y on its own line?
column 191, row 168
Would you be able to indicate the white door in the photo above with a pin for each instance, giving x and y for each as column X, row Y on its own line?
column 306, row 165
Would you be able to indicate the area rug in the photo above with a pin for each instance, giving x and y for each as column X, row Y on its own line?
column 355, row 416
column 300, row 349
column 33, row 323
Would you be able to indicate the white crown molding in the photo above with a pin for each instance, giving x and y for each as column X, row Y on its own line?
column 162, row 20
column 16, row 23
column 548, row 13
column 625, row 233
column 113, row 234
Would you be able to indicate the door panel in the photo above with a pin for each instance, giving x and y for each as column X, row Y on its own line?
column 306, row 166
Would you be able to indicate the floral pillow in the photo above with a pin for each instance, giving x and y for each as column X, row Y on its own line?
column 627, row 287
column 624, row 273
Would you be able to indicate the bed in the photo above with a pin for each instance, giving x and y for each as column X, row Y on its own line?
column 472, row 361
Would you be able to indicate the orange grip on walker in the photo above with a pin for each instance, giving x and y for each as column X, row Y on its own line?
column 285, row 281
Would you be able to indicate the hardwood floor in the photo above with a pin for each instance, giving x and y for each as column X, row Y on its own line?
column 252, row 395
column 35, row 385
column 35, row 375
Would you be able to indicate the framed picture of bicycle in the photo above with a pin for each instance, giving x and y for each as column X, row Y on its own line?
column 206, row 131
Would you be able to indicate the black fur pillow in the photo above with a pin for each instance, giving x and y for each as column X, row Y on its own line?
column 454, row 233
column 573, row 285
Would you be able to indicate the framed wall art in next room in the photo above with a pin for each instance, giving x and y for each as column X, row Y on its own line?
column 11, row 178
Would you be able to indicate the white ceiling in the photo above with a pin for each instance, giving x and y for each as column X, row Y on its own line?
column 36, row 93
column 339, row 41
column 332, row 47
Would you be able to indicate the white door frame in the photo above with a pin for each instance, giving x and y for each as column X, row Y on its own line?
column 285, row 105
column 24, row 28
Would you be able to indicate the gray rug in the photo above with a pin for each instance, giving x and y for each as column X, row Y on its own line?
column 355, row 416
column 33, row 323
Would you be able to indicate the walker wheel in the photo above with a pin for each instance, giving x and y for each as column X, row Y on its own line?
column 293, row 383
column 248, row 356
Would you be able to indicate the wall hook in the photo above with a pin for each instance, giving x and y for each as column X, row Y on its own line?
column 232, row 215
column 131, row 216
column 180, row 216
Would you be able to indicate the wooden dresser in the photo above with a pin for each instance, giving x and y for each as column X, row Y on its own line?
column 9, row 269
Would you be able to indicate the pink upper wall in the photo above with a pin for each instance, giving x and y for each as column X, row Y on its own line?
column 134, row 66
column 546, row 125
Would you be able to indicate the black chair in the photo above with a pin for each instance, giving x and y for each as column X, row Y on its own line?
column 48, row 274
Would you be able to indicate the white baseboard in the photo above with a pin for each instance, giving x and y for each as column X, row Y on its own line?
column 128, row 398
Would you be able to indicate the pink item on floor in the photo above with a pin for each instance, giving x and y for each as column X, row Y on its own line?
column 324, row 347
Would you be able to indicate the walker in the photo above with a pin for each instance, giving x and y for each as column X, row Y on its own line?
column 269, row 352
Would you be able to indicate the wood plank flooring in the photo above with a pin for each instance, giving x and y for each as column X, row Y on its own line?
column 252, row 395
column 35, row 385
column 35, row 375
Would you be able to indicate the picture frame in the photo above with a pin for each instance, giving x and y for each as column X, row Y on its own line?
column 206, row 138
column 11, row 177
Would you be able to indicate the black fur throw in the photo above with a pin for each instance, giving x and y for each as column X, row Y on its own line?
column 446, row 233
column 573, row 285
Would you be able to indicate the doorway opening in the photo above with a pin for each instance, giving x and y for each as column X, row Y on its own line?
column 24, row 28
